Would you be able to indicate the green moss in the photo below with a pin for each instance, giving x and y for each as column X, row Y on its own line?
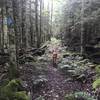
column 13, row 85
column 98, row 70
column 21, row 96
column 11, row 91
column 96, row 83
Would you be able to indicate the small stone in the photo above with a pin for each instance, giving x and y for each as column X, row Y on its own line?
column 57, row 96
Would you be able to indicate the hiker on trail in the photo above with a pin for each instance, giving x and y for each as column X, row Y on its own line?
column 54, row 57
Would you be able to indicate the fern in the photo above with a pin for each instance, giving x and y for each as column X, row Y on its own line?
column 96, row 83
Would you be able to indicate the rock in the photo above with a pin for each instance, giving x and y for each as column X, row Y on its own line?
column 42, row 59
column 64, row 60
column 84, row 61
column 26, row 58
column 39, row 83
column 75, row 65
column 68, row 80
column 78, row 58
column 81, row 78
column 66, row 67
column 71, row 72
column 92, row 66
column 29, row 58
column 66, row 55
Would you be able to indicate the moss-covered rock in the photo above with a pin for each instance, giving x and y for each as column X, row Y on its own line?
column 21, row 96
column 12, row 91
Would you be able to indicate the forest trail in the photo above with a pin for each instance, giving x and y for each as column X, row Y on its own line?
column 58, row 85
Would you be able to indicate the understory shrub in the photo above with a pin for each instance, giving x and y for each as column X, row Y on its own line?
column 98, row 70
column 96, row 83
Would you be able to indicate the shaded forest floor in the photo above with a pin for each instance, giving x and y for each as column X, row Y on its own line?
column 73, row 73
column 57, row 86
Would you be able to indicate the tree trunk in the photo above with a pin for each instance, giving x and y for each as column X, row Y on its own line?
column 40, row 19
column 23, row 25
column 2, row 35
column 48, row 26
column 82, row 28
column 51, row 16
column 31, row 25
column 36, row 23
column 16, row 30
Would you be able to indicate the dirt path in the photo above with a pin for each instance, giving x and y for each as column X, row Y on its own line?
column 59, row 85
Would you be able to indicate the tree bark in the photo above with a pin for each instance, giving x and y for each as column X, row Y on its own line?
column 23, row 25
column 40, row 19
column 36, row 23
column 16, row 29
column 82, row 28
column 31, row 24
column 2, row 35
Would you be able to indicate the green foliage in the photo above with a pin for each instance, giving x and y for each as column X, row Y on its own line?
column 96, row 83
column 13, row 85
column 98, row 70
column 11, row 91
column 21, row 96
column 78, row 96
